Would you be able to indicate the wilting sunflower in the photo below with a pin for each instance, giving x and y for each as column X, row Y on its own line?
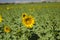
column 28, row 21
column 7, row 29
column 1, row 18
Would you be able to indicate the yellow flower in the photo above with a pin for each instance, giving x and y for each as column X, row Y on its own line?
column 24, row 15
column 7, row 29
column 8, row 8
column 28, row 21
column 1, row 18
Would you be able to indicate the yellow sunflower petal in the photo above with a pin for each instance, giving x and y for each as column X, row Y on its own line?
column 1, row 18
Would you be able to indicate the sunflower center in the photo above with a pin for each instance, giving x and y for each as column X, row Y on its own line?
column 7, row 28
column 28, row 20
column 23, row 15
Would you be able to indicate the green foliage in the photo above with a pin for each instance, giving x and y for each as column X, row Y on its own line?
column 47, row 21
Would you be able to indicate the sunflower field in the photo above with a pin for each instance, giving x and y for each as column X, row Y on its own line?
column 30, row 21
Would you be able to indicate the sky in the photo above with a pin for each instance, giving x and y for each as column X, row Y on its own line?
column 19, row 1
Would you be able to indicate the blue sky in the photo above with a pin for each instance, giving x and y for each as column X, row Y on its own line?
column 19, row 0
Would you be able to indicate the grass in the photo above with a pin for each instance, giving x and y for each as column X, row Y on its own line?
column 47, row 21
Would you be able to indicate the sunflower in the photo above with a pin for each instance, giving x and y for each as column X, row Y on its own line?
column 1, row 18
column 28, row 21
column 7, row 29
column 8, row 8
column 24, row 15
